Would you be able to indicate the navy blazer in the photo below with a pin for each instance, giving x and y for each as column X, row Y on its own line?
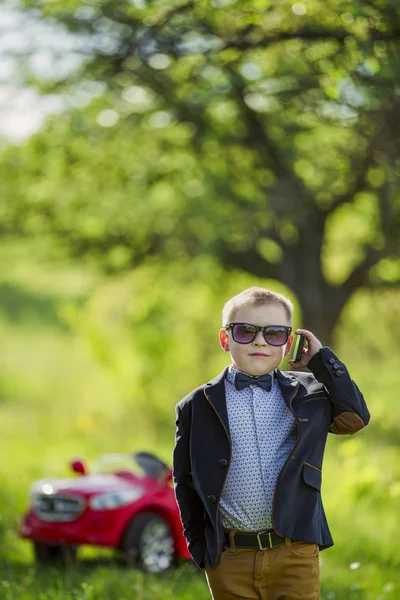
column 323, row 400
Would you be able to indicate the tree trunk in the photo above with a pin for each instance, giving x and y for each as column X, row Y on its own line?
column 321, row 302
column 320, row 312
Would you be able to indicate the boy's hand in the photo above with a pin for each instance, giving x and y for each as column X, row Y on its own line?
column 313, row 346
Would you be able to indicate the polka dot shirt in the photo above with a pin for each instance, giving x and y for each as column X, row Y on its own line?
column 263, row 433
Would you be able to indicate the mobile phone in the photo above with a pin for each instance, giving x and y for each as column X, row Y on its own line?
column 298, row 347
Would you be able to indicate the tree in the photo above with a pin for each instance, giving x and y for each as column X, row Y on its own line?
column 264, row 134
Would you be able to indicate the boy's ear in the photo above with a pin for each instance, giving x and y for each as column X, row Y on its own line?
column 289, row 345
column 224, row 340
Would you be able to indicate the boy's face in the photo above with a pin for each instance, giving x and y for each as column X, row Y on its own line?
column 258, row 357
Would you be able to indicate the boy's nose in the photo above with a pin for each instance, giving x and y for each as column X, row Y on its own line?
column 259, row 339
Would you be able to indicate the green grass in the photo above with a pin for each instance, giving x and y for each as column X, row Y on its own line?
column 95, row 580
column 64, row 393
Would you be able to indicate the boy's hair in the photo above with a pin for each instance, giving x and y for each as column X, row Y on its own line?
column 254, row 296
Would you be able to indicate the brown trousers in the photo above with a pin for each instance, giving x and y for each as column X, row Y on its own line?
column 289, row 572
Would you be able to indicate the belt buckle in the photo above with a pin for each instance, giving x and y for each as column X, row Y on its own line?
column 269, row 539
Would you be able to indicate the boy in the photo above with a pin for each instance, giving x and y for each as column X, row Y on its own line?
column 248, row 455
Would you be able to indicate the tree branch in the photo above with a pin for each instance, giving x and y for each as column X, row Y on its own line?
column 360, row 276
column 249, row 261
column 384, row 285
column 389, row 228
column 310, row 34
column 360, row 181
column 256, row 133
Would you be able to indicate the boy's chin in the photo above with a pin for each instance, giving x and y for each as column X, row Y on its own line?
column 254, row 372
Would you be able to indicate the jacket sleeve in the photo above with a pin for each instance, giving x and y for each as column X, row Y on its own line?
column 190, row 505
column 349, row 411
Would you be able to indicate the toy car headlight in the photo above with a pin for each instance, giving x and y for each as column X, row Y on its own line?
column 111, row 500
column 39, row 488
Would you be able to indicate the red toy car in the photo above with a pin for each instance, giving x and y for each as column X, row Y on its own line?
column 127, row 504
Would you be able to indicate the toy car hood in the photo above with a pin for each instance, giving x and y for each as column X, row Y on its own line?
column 85, row 485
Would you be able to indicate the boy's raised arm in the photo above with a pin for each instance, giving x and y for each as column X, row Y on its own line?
column 349, row 411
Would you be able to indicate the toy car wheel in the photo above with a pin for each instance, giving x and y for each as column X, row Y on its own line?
column 48, row 554
column 148, row 543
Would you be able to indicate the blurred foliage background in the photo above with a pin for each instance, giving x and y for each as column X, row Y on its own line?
column 202, row 147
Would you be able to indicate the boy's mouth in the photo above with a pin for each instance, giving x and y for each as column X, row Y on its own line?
column 259, row 354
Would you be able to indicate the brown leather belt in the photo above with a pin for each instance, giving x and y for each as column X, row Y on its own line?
column 263, row 540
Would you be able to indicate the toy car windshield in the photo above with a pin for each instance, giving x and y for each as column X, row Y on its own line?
column 140, row 463
column 151, row 465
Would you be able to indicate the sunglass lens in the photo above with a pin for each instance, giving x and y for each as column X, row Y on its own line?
column 276, row 336
column 243, row 334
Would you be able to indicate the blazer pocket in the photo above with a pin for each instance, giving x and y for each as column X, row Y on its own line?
column 312, row 476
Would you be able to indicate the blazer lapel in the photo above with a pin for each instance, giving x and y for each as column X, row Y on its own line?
column 289, row 387
column 215, row 394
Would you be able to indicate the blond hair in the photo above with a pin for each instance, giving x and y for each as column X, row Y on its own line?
column 254, row 296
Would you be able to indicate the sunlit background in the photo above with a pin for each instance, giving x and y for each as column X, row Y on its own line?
column 156, row 158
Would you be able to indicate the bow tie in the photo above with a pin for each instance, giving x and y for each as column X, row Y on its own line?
column 242, row 381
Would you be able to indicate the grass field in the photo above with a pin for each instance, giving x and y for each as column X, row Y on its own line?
column 61, row 396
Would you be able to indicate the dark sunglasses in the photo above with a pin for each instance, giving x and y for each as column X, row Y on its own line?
column 245, row 333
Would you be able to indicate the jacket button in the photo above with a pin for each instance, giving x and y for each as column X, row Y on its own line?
column 223, row 463
column 336, row 365
column 212, row 499
column 332, row 360
column 339, row 373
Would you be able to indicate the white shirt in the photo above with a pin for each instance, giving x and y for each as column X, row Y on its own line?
column 263, row 433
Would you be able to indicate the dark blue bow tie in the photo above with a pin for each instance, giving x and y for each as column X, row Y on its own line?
column 242, row 381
